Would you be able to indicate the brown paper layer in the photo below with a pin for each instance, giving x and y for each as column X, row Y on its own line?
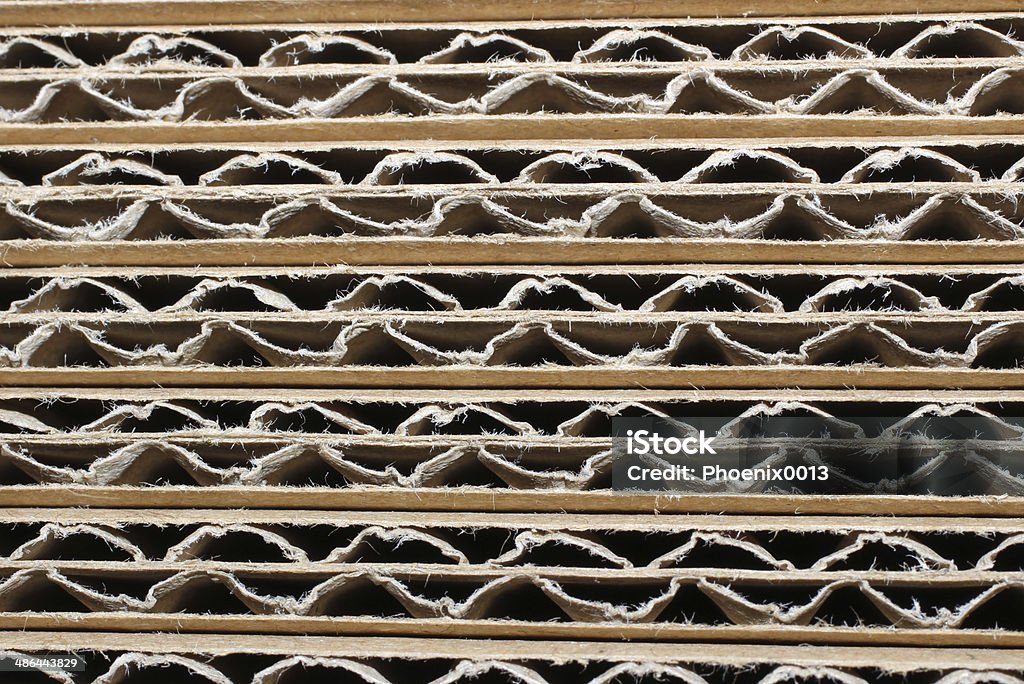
column 120, row 12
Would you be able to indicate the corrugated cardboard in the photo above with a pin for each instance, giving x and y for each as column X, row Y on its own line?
column 320, row 328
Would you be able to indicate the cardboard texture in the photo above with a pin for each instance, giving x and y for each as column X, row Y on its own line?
column 219, row 659
column 488, row 450
column 315, row 318
column 515, row 204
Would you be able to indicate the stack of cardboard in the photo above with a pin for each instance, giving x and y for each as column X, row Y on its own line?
column 313, row 335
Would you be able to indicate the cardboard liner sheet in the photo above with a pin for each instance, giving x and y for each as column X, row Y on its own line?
column 203, row 12
column 513, row 164
column 972, row 91
column 501, row 250
column 461, row 128
column 537, row 44
column 271, row 659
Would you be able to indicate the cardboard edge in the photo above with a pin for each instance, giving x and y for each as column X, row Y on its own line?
column 895, row 659
column 569, row 522
column 521, row 251
column 449, row 394
column 732, row 377
column 478, row 499
column 517, row 127
column 937, row 10
column 504, row 629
